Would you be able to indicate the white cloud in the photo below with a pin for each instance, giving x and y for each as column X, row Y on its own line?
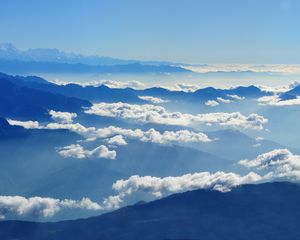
column 276, row 101
column 11, row 206
column 185, row 87
column 150, row 135
column 157, row 187
column 25, row 124
column 212, row 103
column 154, row 100
column 222, row 100
column 236, row 97
column 274, row 68
column 281, row 163
column 153, row 135
column 117, row 140
column 62, row 117
column 109, row 83
column 178, row 136
column 77, row 151
column 158, row 114
column 259, row 139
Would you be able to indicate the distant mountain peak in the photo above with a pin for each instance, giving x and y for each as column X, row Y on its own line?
column 8, row 47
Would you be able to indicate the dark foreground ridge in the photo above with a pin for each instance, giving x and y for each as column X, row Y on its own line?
column 264, row 211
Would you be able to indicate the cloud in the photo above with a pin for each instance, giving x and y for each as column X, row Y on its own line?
column 159, row 115
column 117, row 140
column 62, row 117
column 259, row 139
column 37, row 207
column 222, row 100
column 276, row 101
column 265, row 68
column 185, row 87
column 151, row 135
column 236, row 97
column 25, row 124
column 219, row 100
column 157, row 187
column 109, row 83
column 154, row 100
column 212, row 103
column 280, row 163
column 77, row 151
column 178, row 136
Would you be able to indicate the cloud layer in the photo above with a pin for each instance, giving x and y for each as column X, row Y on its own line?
column 77, row 151
column 62, row 117
column 109, row 83
column 276, row 101
column 92, row 133
column 159, row 115
column 279, row 163
column 37, row 207
column 154, row 100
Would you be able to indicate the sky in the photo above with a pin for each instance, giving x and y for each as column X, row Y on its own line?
column 190, row 31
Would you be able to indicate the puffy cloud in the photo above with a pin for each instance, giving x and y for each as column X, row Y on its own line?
column 25, row 124
column 276, row 101
column 158, row 114
column 153, row 135
column 185, row 87
column 77, row 151
column 109, row 83
column 151, row 99
column 222, row 100
column 150, row 135
column 117, row 140
column 259, row 139
column 273, row 158
column 159, row 187
column 212, row 103
column 11, row 206
column 280, row 163
column 62, row 117
column 169, row 136
column 236, row 97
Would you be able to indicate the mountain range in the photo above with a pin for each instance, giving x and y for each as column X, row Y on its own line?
column 13, row 60
column 262, row 211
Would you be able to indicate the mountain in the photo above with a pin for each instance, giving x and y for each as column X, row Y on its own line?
column 106, row 94
column 262, row 211
column 227, row 148
column 25, row 102
column 25, row 67
column 10, row 52
column 204, row 94
column 43, row 60
column 291, row 94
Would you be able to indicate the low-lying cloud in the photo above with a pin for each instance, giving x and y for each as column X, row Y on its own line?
column 159, row 115
column 279, row 163
column 39, row 207
column 77, row 151
column 277, row 101
column 109, row 83
column 154, row 100
column 92, row 133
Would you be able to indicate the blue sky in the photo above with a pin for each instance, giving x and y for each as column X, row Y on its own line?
column 192, row 31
